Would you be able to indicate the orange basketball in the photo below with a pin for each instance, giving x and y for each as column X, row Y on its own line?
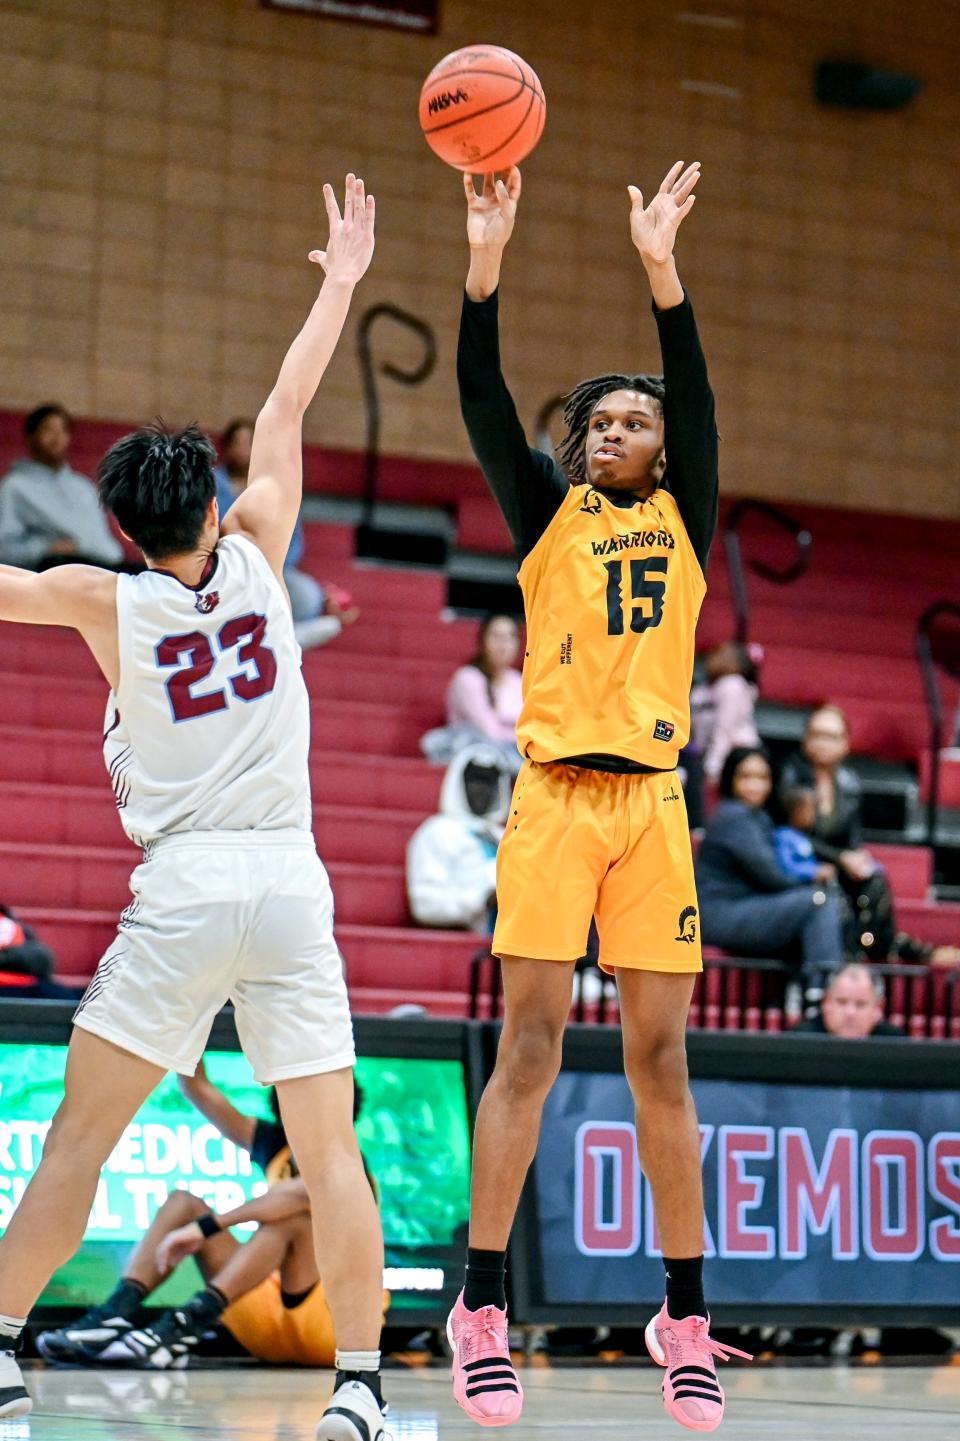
column 482, row 108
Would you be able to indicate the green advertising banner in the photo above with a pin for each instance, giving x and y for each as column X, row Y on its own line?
column 412, row 1127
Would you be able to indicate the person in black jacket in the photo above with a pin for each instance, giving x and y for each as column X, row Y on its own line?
column 747, row 904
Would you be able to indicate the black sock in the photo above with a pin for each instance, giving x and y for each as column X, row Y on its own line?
column 685, row 1288
column 484, row 1285
column 207, row 1306
column 127, row 1299
column 368, row 1378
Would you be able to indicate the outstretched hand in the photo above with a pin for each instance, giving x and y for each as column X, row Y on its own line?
column 491, row 214
column 350, row 247
column 653, row 228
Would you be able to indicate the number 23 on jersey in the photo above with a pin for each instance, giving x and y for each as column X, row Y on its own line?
column 194, row 657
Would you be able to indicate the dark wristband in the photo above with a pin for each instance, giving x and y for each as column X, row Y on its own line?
column 209, row 1225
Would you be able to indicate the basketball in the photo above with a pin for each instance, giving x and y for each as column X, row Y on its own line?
column 482, row 108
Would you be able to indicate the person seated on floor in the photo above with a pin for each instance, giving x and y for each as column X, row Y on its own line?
column 483, row 698
column 452, row 856
column 50, row 513
column 852, row 1007
column 747, row 905
column 266, row 1292
column 320, row 612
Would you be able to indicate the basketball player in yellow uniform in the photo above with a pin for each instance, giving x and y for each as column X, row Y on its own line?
column 613, row 551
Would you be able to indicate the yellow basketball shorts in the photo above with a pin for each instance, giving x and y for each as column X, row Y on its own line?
column 284, row 1336
column 580, row 843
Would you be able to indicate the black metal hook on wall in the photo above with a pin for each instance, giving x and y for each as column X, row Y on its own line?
column 735, row 566
column 371, row 370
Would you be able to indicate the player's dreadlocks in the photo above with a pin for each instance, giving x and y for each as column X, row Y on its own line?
column 580, row 404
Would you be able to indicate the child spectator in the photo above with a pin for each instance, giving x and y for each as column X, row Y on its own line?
column 792, row 841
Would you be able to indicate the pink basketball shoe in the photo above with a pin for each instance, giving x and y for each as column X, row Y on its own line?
column 692, row 1394
column 484, row 1381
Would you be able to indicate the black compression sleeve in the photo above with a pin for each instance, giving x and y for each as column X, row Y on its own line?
column 690, row 428
column 528, row 486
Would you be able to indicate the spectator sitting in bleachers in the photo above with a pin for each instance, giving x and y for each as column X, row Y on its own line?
column 26, row 964
column 852, row 1007
column 49, row 513
column 483, row 698
column 722, row 709
column 452, row 857
column 319, row 612
column 836, row 837
column 792, row 841
column 747, row 905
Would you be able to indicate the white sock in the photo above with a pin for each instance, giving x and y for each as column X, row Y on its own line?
column 358, row 1360
column 10, row 1328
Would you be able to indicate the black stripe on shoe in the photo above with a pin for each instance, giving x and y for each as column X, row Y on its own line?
column 488, row 1361
column 500, row 1386
column 683, row 1370
column 701, row 1393
column 9, row 1394
column 354, row 1419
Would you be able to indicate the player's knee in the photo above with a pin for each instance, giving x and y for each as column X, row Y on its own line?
column 181, row 1207
column 73, row 1140
column 529, row 1061
column 660, row 1069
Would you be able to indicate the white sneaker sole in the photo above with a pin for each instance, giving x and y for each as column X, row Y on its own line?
column 355, row 1426
column 653, row 1345
column 19, row 1406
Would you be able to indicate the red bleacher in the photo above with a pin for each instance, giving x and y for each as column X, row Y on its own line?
column 843, row 632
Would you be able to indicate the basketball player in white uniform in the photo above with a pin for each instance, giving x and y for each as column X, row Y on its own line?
column 206, row 739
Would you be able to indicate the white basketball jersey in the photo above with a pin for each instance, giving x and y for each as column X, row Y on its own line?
column 210, row 727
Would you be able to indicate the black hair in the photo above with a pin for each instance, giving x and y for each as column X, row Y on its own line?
column 158, row 483
column 580, row 404
column 478, row 659
column 36, row 417
column 734, row 760
column 239, row 423
column 793, row 796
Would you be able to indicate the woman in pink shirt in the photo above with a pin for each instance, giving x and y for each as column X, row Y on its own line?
column 483, row 697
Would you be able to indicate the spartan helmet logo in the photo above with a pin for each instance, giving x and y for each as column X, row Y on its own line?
column 687, row 925
column 591, row 503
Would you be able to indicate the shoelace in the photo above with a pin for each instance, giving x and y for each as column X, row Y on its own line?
column 695, row 1340
column 488, row 1331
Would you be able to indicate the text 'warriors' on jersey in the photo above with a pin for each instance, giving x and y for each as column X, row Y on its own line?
column 612, row 594
column 209, row 728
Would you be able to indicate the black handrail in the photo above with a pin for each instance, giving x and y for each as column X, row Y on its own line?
column 370, row 371
column 928, row 663
column 731, row 545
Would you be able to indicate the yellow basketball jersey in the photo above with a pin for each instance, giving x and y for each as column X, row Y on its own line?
column 612, row 595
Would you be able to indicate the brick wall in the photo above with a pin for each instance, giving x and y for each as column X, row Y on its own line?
column 161, row 163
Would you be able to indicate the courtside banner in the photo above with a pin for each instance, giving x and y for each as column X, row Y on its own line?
column 821, row 1196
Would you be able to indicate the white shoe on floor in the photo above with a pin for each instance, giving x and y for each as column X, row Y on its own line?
column 14, row 1398
column 353, row 1414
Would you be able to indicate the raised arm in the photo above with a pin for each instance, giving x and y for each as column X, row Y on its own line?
column 527, row 485
column 267, row 510
column 214, row 1106
column 690, row 429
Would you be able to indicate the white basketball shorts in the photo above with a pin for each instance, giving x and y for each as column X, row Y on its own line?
column 245, row 916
